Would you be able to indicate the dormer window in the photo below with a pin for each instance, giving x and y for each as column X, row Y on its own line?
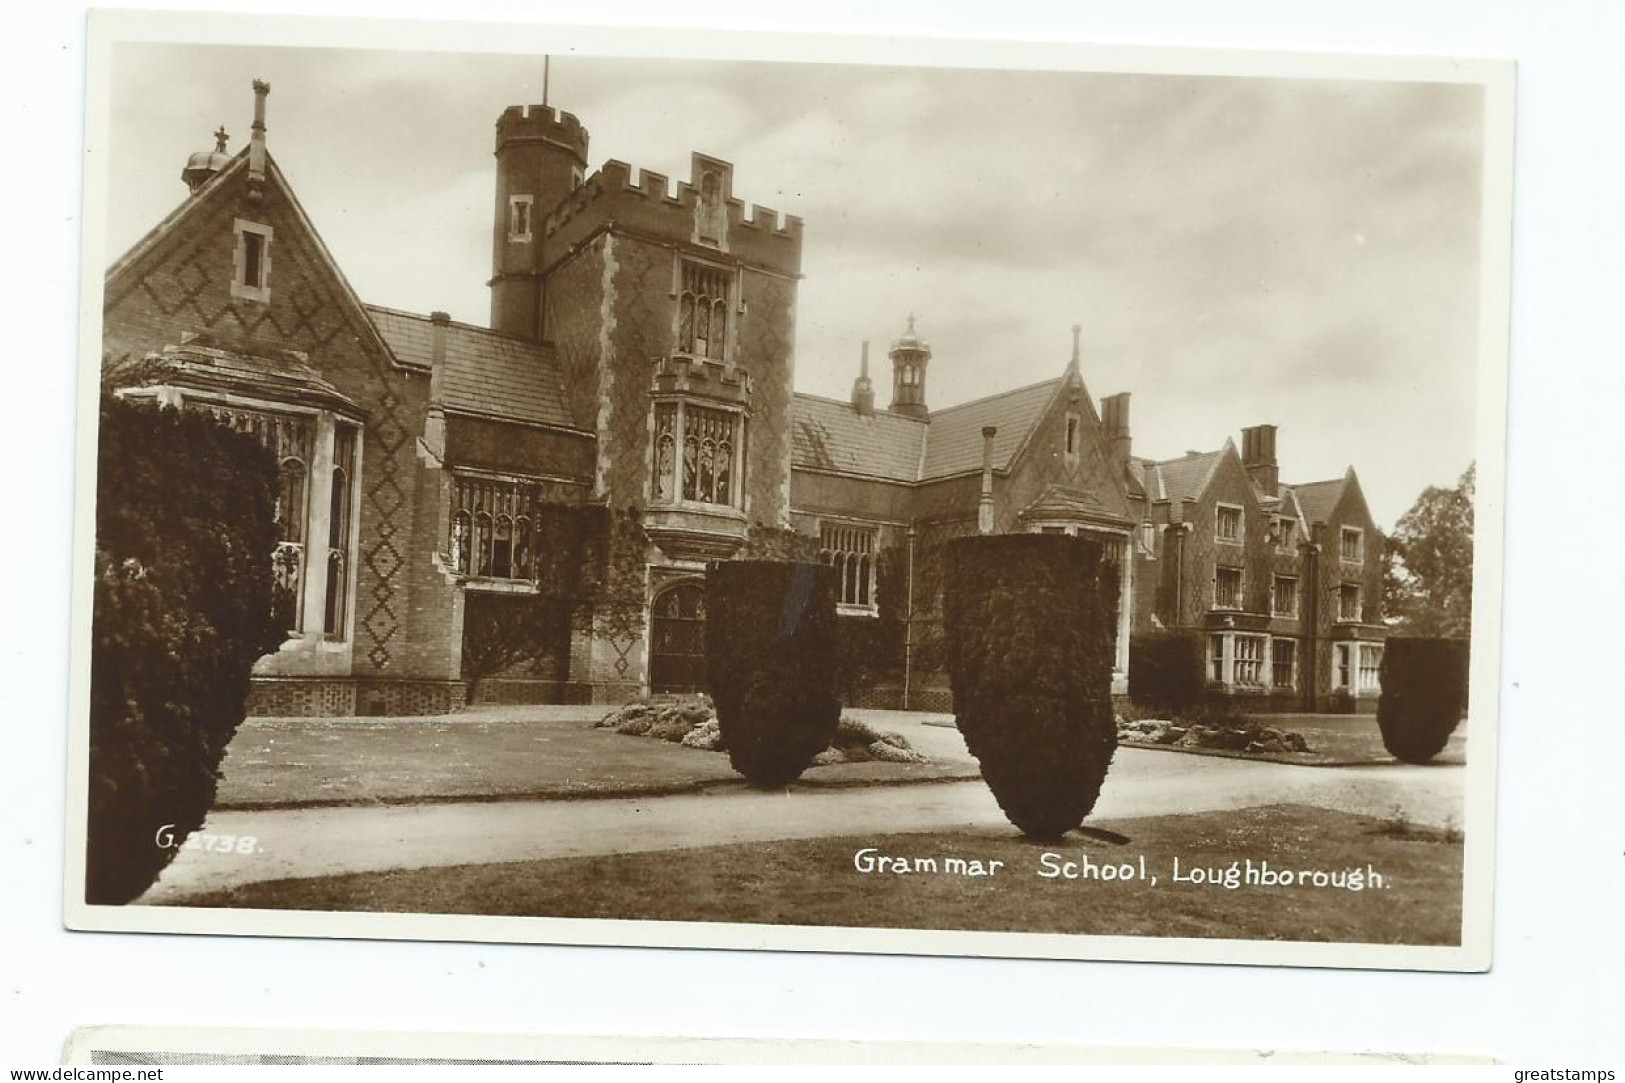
column 1286, row 534
column 519, row 219
column 251, row 264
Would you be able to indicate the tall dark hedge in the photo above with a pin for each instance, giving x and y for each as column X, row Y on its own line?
column 1028, row 621
column 1424, row 692
column 872, row 649
column 1165, row 669
column 184, row 536
column 770, row 643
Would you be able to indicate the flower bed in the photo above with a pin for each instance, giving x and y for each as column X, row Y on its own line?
column 1240, row 736
column 691, row 721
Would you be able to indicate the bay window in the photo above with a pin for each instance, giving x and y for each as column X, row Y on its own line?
column 698, row 454
column 1357, row 668
column 316, row 455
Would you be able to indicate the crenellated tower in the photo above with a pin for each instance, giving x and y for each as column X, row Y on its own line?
column 541, row 158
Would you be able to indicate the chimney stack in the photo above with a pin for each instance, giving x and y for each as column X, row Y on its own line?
column 984, row 506
column 863, row 389
column 1114, row 416
column 434, row 418
column 256, row 143
column 1258, row 458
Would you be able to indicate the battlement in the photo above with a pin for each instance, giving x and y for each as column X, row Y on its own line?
column 646, row 200
column 525, row 123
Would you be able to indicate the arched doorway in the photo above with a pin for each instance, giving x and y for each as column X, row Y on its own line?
column 677, row 639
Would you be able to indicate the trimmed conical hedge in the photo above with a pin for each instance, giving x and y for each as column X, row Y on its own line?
column 1029, row 621
column 1424, row 692
column 770, row 644
column 183, row 607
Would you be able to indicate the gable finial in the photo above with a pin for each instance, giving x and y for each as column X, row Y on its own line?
column 1077, row 333
column 220, row 139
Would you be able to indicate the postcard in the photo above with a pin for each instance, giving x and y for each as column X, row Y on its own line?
column 122, row 1045
column 802, row 493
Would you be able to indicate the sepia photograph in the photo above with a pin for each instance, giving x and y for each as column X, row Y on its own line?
column 756, row 492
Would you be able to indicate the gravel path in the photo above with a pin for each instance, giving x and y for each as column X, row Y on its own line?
column 292, row 843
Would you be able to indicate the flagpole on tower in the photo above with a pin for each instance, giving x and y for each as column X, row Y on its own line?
column 546, row 64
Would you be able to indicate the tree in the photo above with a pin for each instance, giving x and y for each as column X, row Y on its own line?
column 770, row 645
column 1428, row 565
column 1032, row 693
column 501, row 631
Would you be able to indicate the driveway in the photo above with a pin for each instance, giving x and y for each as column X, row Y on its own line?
column 295, row 843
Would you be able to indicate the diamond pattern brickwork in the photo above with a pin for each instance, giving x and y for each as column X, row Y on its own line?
column 177, row 283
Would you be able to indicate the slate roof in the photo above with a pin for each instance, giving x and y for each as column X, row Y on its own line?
column 954, row 444
column 1178, row 479
column 1064, row 501
column 828, row 434
column 1318, row 499
column 487, row 372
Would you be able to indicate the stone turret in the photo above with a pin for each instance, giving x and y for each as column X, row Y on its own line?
column 541, row 158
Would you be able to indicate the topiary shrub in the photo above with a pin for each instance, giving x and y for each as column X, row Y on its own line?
column 182, row 608
column 1028, row 621
column 770, row 644
column 1424, row 692
column 1165, row 670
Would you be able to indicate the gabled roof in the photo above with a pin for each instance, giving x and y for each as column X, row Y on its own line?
column 216, row 188
column 1184, row 478
column 828, row 434
column 954, row 444
column 487, row 372
column 174, row 218
column 1318, row 499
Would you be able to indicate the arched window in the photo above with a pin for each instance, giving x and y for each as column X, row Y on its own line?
column 493, row 529
column 336, row 611
column 462, row 529
column 850, row 549
column 502, row 548
column 702, row 319
column 482, row 543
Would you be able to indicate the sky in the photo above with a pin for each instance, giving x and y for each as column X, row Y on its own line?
column 1237, row 251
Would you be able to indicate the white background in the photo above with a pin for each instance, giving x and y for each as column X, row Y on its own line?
column 1555, row 994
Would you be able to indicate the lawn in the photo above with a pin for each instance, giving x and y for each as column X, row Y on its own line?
column 486, row 753
column 816, row 882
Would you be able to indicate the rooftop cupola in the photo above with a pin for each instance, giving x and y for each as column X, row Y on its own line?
column 910, row 356
column 202, row 166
